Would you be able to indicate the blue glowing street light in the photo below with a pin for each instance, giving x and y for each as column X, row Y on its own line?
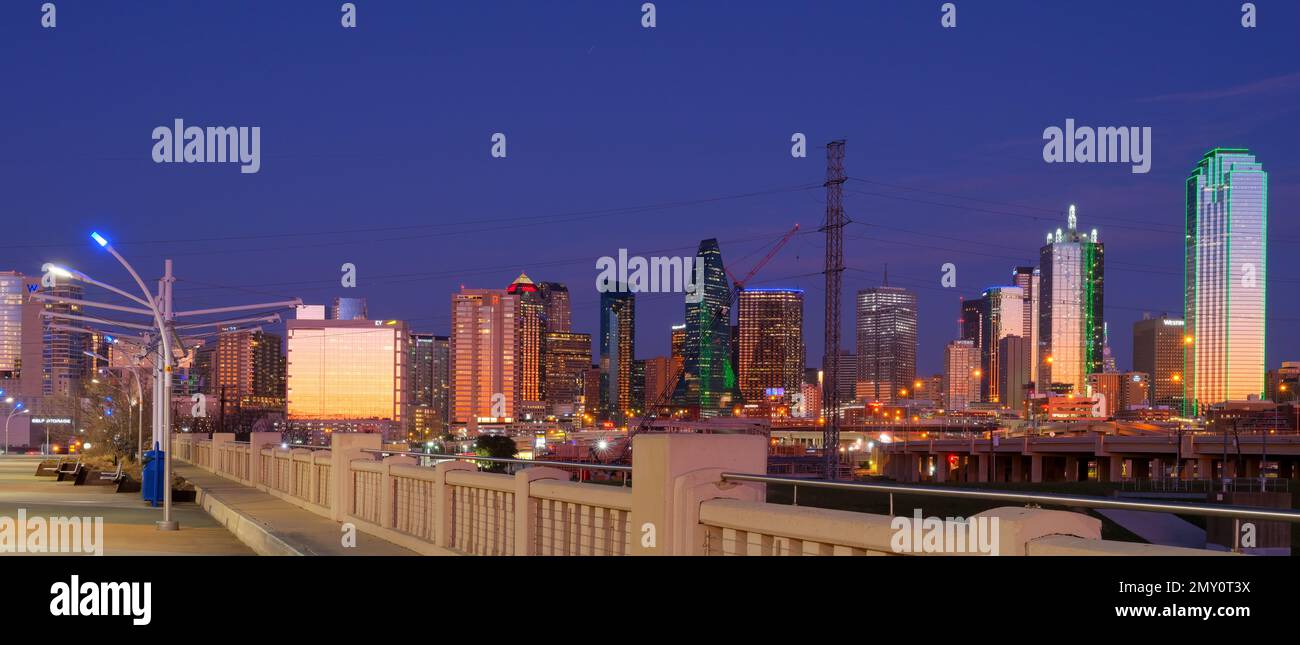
column 99, row 239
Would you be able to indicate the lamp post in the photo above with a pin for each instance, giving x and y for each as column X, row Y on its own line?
column 17, row 409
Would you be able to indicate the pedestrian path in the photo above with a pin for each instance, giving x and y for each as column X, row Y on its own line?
column 272, row 526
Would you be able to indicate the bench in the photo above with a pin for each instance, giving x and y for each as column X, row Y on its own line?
column 90, row 477
column 69, row 470
column 49, row 468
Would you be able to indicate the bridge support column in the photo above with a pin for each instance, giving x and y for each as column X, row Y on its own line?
column 674, row 474
column 1071, row 469
column 1017, row 466
column 1205, row 468
column 1036, row 469
column 1116, row 467
column 941, row 468
column 1157, row 468
column 256, row 442
column 983, row 475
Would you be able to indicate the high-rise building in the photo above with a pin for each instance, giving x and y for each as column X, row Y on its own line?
column 591, row 392
column 556, row 308
column 1070, row 308
column 428, row 385
column 63, row 352
column 617, row 352
column 771, row 349
column 483, row 348
column 886, row 322
column 846, row 380
column 708, row 375
column 1225, row 279
column 567, row 357
column 20, row 336
column 658, row 371
column 677, row 344
column 529, row 326
column 1013, row 371
column 347, row 375
column 1029, row 279
column 349, row 309
column 1122, row 391
column 971, row 322
column 246, row 378
column 1158, row 351
column 962, row 374
column 1003, row 316
column 1284, row 382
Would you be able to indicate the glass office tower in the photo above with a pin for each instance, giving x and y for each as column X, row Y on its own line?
column 1225, row 278
column 1071, row 317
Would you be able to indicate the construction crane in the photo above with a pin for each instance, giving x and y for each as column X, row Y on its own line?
column 648, row 414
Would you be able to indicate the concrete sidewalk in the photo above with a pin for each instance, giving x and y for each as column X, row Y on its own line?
column 129, row 523
column 271, row 526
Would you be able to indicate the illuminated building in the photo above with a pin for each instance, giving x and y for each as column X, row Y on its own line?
column 1225, row 279
column 1283, row 382
column 555, row 303
column 1029, row 279
column 348, row 375
column 846, row 381
column 63, row 361
column 886, row 322
column 617, row 352
column 430, row 358
column 658, row 371
column 1122, row 392
column 708, row 375
column 962, row 374
column 246, row 378
column 529, row 325
column 483, row 348
column 1158, row 351
column 349, row 309
column 771, row 349
column 567, row 357
column 1002, row 316
column 677, row 342
column 1071, row 312
column 591, row 392
column 20, row 335
column 1013, row 371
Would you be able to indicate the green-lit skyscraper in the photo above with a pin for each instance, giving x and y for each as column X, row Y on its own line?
column 708, row 376
column 1070, row 310
column 1225, row 277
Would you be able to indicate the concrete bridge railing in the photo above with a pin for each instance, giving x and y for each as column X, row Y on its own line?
column 679, row 503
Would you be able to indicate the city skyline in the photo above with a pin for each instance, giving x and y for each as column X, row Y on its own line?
column 397, row 195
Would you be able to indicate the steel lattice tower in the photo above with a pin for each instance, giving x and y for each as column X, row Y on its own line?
column 834, row 268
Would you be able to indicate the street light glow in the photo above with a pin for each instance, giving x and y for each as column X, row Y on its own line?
column 99, row 239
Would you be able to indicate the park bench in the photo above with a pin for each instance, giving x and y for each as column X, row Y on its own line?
column 49, row 468
column 69, row 470
column 91, row 477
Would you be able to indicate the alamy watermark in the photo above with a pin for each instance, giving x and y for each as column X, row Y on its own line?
column 1085, row 144
column 951, row 535
column 37, row 534
column 637, row 274
column 193, row 144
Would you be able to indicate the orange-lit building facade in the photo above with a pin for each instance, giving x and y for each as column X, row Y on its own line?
column 530, row 326
column 771, row 349
column 484, row 347
column 343, row 371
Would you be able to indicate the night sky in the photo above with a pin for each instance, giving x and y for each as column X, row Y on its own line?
column 375, row 144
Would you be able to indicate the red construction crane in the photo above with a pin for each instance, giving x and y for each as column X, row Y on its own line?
column 739, row 285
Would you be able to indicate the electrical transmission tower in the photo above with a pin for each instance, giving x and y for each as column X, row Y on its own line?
column 834, row 268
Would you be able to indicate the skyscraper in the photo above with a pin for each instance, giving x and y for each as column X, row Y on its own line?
column 529, row 325
column 886, row 321
column 247, row 377
column 962, row 374
column 20, row 335
column 1071, row 315
column 349, row 309
column 617, row 351
column 708, row 375
column 1158, row 353
column 1003, row 316
column 483, row 348
column 1029, row 279
column 567, row 359
column 348, row 375
column 557, row 311
column 1226, row 274
column 771, row 349
column 62, row 351
column 428, row 385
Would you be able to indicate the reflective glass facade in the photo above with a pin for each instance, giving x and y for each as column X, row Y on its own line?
column 346, row 369
column 1225, row 278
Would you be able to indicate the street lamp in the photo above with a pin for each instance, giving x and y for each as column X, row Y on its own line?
column 17, row 409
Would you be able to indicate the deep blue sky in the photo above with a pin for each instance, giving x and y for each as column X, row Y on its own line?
column 387, row 127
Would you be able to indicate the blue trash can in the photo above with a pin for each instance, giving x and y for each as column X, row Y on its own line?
column 151, row 484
